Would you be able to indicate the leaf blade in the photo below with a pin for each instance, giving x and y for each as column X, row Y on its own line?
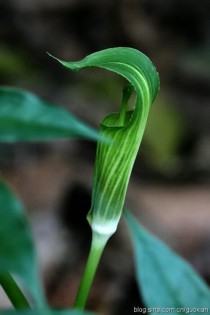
column 164, row 278
column 25, row 117
column 16, row 246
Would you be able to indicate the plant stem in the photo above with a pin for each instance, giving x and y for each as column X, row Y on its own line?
column 96, row 250
column 13, row 291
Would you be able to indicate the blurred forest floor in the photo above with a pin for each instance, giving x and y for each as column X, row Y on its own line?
column 170, row 185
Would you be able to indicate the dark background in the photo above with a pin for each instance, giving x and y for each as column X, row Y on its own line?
column 169, row 189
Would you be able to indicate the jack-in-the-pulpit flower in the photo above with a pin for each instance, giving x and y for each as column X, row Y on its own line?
column 115, row 158
column 121, row 135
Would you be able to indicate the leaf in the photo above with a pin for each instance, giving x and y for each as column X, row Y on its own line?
column 165, row 279
column 17, row 254
column 114, row 161
column 25, row 117
column 45, row 312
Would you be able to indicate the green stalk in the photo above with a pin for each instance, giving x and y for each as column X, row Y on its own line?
column 13, row 292
column 96, row 250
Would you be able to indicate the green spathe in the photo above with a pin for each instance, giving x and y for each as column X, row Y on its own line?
column 114, row 161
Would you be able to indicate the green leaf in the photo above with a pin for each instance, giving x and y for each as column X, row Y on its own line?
column 17, row 254
column 45, row 312
column 164, row 278
column 25, row 117
column 114, row 161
